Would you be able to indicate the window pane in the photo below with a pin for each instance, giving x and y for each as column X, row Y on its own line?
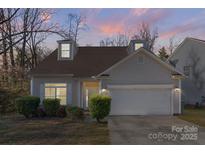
column 55, row 85
column 65, row 50
column 138, row 45
column 61, row 94
column 65, row 47
column 56, row 90
column 49, row 92
column 65, row 53
column 187, row 70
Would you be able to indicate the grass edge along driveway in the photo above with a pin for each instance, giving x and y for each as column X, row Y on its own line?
column 18, row 130
column 196, row 116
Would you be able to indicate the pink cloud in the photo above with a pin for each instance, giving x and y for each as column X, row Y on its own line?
column 111, row 28
column 128, row 23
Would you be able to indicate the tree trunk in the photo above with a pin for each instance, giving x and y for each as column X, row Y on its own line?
column 5, row 63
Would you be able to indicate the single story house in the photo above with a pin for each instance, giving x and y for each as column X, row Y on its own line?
column 137, row 80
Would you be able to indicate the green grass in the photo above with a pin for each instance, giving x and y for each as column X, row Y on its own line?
column 18, row 130
column 196, row 116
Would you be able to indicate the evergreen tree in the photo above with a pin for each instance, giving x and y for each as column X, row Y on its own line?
column 163, row 54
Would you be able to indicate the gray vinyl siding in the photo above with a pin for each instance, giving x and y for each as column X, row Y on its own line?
column 190, row 94
column 129, row 72
column 151, row 72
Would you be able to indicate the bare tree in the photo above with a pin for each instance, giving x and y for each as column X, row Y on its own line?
column 22, row 36
column 76, row 23
column 4, row 44
column 119, row 40
column 107, row 42
column 10, row 24
column 34, row 30
column 35, row 38
column 12, row 15
column 173, row 44
column 145, row 34
column 197, row 70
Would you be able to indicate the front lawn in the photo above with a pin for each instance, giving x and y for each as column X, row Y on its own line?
column 18, row 130
column 196, row 116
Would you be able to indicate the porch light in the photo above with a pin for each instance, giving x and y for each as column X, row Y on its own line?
column 176, row 76
column 105, row 92
column 177, row 90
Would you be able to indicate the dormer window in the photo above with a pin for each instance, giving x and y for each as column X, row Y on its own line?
column 138, row 45
column 134, row 45
column 65, row 50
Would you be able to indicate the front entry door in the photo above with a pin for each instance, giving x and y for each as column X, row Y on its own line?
column 89, row 89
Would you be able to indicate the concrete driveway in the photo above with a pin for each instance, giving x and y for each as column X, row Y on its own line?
column 154, row 130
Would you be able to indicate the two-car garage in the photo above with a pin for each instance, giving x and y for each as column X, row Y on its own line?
column 141, row 99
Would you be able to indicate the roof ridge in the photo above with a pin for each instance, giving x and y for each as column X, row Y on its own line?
column 203, row 41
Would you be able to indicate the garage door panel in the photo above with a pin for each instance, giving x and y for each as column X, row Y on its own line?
column 140, row 101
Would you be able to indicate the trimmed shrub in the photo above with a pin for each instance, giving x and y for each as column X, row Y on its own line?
column 27, row 105
column 99, row 106
column 51, row 106
column 75, row 112
column 7, row 101
column 61, row 112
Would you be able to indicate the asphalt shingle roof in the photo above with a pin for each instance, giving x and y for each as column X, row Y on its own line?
column 88, row 62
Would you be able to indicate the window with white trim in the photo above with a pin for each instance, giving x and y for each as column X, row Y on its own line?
column 56, row 90
column 65, row 50
column 138, row 45
column 187, row 70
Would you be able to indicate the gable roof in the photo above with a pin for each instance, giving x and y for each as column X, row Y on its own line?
column 88, row 62
column 150, row 54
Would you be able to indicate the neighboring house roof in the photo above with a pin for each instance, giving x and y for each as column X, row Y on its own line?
column 182, row 43
column 88, row 62
column 150, row 54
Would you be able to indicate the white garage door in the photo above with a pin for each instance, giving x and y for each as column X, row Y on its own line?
column 136, row 101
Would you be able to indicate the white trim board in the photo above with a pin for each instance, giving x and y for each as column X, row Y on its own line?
column 142, row 86
column 51, row 75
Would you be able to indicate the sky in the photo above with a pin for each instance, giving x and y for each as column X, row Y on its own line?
column 101, row 23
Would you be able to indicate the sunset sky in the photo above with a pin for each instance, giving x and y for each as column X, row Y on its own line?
column 102, row 23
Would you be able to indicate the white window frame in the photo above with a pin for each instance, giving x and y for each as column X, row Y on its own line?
column 189, row 70
column 55, row 87
column 69, row 50
column 139, row 44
